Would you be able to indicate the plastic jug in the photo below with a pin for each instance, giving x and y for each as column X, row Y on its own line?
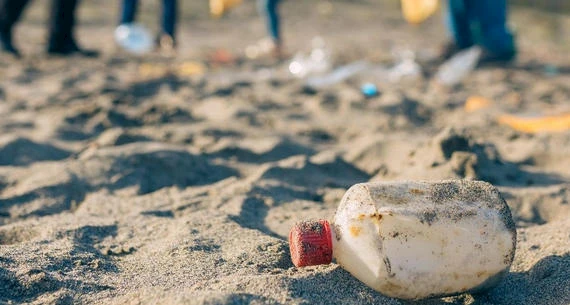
column 414, row 240
column 134, row 38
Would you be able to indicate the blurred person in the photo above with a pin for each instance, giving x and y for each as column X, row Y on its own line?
column 273, row 44
column 61, row 40
column 480, row 22
column 166, row 39
column 270, row 10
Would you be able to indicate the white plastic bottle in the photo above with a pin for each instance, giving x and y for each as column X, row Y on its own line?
column 134, row 38
column 455, row 69
column 414, row 240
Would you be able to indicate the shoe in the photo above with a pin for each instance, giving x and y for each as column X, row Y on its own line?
column 488, row 58
column 6, row 44
column 266, row 48
column 71, row 48
column 166, row 43
column 450, row 49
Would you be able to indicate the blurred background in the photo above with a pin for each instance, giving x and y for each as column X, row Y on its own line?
column 362, row 24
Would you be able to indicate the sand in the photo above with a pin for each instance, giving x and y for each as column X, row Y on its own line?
column 126, row 181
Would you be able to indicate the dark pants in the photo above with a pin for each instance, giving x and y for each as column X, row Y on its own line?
column 269, row 9
column 10, row 12
column 482, row 22
column 62, row 20
column 169, row 14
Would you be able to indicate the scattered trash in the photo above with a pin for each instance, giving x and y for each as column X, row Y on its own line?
column 407, row 67
column 459, row 66
column 555, row 123
column 148, row 71
column 221, row 57
column 134, row 38
column 417, row 11
column 369, row 90
column 219, row 7
column 317, row 62
column 475, row 102
column 191, row 68
column 414, row 240
column 315, row 67
column 338, row 75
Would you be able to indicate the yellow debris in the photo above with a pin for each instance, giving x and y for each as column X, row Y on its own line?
column 476, row 102
column 219, row 7
column 147, row 70
column 190, row 68
column 153, row 71
column 417, row 11
column 555, row 123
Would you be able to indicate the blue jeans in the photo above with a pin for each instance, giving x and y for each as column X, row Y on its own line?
column 268, row 8
column 481, row 22
column 169, row 13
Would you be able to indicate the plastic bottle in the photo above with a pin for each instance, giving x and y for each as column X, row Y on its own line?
column 414, row 240
column 134, row 38
column 459, row 66
column 406, row 66
column 338, row 75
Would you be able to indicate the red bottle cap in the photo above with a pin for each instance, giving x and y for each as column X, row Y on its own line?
column 310, row 243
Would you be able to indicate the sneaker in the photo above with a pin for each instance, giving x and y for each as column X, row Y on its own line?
column 265, row 48
column 71, row 48
column 488, row 58
column 449, row 49
column 166, row 43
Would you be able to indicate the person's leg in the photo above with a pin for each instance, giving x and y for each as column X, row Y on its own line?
column 61, row 24
column 169, row 16
column 269, row 9
column 61, row 37
column 273, row 20
column 10, row 12
column 491, row 20
column 166, row 39
column 129, row 11
column 459, row 23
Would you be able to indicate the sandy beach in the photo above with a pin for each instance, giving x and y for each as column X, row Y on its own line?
column 175, row 180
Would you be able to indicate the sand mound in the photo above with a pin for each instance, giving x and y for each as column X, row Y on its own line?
column 259, row 150
column 147, row 168
column 46, row 189
column 457, row 154
column 21, row 151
